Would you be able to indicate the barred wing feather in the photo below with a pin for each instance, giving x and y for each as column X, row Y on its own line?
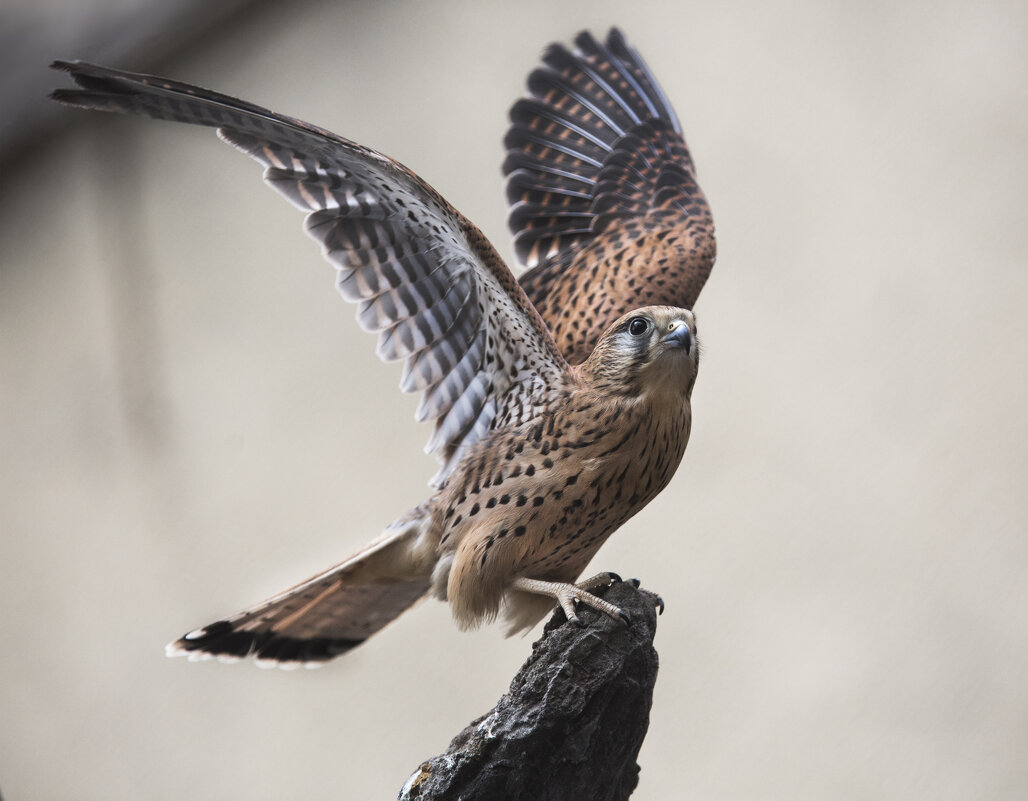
column 605, row 208
column 422, row 276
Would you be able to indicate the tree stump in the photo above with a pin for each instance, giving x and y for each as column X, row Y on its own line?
column 572, row 723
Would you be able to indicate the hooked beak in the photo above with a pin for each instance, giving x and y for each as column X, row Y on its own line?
column 680, row 336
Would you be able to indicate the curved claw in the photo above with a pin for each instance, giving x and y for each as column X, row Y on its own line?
column 614, row 577
column 657, row 600
column 625, row 617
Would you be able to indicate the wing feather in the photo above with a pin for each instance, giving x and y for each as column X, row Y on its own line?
column 421, row 275
column 604, row 202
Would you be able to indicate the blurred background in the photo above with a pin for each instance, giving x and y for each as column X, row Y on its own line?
column 190, row 420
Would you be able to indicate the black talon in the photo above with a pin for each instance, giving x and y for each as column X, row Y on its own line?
column 576, row 621
column 614, row 577
column 660, row 604
column 635, row 583
column 624, row 617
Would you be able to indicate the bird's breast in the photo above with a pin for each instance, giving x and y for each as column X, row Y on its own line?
column 540, row 501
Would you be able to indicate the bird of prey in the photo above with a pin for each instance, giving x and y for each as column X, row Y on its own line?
column 561, row 405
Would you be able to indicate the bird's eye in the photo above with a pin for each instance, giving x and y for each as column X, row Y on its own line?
column 637, row 326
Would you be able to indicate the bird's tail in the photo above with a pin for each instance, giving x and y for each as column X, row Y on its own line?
column 326, row 615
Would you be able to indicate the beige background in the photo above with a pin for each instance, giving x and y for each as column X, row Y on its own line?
column 191, row 419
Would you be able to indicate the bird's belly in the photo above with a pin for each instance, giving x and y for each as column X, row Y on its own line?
column 543, row 511
column 549, row 527
column 571, row 529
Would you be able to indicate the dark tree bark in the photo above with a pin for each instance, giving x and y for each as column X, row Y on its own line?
column 572, row 723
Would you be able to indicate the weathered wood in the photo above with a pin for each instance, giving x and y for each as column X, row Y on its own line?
column 571, row 724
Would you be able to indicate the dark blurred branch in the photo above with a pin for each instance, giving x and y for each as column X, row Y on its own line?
column 571, row 724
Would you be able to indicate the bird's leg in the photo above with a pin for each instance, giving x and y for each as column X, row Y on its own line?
column 609, row 577
column 604, row 579
column 566, row 594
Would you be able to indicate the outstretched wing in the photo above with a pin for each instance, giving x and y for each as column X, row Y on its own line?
column 605, row 209
column 423, row 276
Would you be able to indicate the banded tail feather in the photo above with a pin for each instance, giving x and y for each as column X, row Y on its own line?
column 325, row 616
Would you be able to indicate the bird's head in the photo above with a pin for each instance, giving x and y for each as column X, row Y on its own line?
column 649, row 351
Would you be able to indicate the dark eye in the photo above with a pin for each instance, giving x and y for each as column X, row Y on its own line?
column 638, row 326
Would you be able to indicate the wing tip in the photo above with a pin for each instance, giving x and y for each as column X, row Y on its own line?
column 65, row 96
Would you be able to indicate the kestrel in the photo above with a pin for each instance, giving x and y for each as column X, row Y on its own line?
column 561, row 405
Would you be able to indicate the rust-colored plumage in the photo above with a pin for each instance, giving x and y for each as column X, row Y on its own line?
column 560, row 409
column 605, row 210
